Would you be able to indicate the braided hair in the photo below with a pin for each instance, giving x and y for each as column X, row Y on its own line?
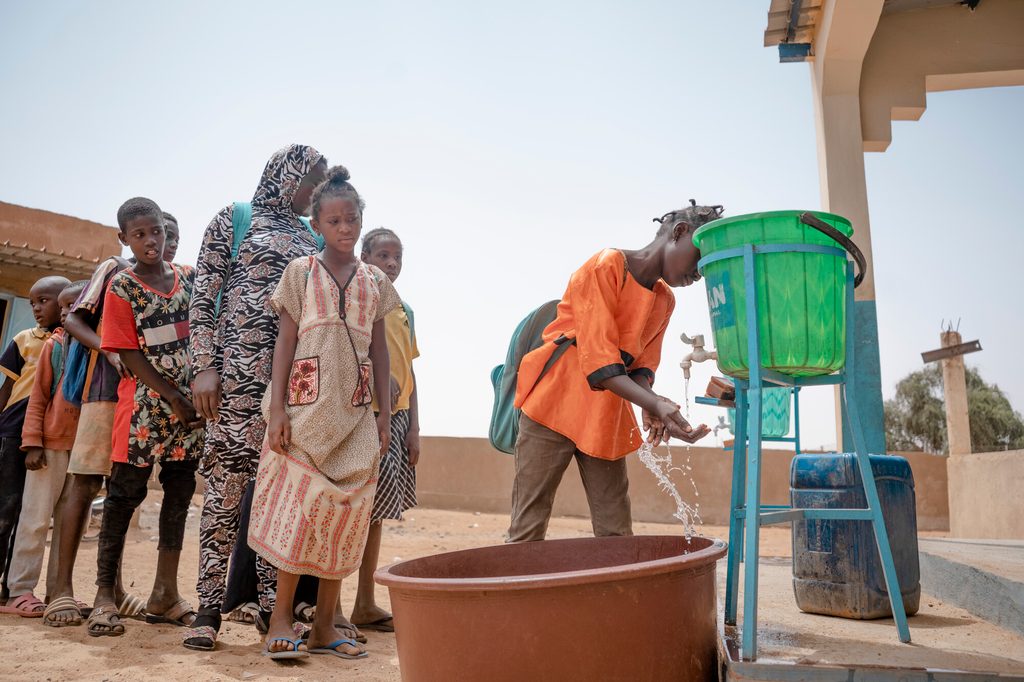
column 377, row 234
column 693, row 215
column 137, row 207
column 336, row 185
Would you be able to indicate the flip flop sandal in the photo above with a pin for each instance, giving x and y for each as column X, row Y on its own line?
column 304, row 612
column 332, row 649
column 131, row 607
column 246, row 613
column 359, row 637
column 175, row 615
column 386, row 624
column 105, row 617
column 26, row 606
column 62, row 605
column 287, row 654
column 202, row 638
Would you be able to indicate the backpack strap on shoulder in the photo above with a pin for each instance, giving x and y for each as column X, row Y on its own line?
column 412, row 319
column 241, row 221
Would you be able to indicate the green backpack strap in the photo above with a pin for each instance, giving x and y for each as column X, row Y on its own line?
column 309, row 226
column 57, row 365
column 412, row 320
column 241, row 221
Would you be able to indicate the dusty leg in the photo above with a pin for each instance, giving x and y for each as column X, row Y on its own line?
column 281, row 618
column 324, row 632
column 366, row 609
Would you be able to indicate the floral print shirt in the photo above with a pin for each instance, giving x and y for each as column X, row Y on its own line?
column 137, row 317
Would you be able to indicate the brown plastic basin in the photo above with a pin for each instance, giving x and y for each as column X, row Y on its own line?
column 623, row 608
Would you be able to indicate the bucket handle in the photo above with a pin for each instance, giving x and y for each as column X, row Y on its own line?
column 858, row 257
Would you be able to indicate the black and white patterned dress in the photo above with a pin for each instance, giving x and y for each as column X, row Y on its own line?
column 239, row 342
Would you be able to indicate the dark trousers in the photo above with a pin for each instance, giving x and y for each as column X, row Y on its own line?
column 12, row 486
column 126, row 489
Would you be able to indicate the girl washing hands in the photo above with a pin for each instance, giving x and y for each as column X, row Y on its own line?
column 318, row 472
column 609, row 325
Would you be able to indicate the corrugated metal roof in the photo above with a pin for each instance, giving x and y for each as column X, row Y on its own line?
column 73, row 265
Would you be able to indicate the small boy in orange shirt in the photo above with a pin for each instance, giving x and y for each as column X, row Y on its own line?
column 18, row 367
column 614, row 314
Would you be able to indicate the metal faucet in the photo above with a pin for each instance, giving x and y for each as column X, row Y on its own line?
column 697, row 355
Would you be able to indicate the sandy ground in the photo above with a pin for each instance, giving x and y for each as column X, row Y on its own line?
column 154, row 652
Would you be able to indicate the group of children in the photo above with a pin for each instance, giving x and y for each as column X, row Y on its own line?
column 101, row 390
column 288, row 381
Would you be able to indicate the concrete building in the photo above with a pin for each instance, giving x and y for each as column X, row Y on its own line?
column 36, row 243
column 873, row 62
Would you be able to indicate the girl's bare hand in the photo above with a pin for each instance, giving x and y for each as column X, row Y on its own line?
column 675, row 425
column 678, row 427
column 654, row 427
column 279, row 431
column 384, row 432
column 412, row 444
column 396, row 390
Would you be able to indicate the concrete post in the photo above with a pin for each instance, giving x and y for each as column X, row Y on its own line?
column 954, row 385
column 845, row 31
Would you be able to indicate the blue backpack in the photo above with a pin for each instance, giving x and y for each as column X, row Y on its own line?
column 528, row 335
column 75, row 365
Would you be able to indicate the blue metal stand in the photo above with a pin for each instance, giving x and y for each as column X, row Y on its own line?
column 747, row 513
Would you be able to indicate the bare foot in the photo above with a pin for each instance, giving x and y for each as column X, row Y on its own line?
column 369, row 614
column 346, row 628
column 162, row 600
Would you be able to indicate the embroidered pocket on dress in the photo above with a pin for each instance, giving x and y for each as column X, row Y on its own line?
column 364, row 392
column 304, row 382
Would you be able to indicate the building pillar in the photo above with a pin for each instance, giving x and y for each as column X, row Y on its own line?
column 954, row 385
column 844, row 36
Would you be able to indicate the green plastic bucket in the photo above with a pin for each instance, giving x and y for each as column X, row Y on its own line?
column 801, row 296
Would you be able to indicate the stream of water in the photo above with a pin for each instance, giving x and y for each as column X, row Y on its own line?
column 662, row 467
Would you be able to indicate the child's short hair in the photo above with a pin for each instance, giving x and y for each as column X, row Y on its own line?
column 169, row 217
column 376, row 234
column 336, row 185
column 137, row 207
column 693, row 215
column 76, row 287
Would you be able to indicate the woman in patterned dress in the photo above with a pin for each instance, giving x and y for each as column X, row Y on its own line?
column 232, row 339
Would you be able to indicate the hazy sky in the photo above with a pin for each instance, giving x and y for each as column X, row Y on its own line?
column 506, row 143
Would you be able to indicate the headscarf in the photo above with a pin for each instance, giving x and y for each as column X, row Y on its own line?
column 282, row 175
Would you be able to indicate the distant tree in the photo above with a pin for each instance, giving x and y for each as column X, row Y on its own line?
column 915, row 419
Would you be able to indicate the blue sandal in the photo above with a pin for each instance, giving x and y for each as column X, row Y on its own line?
column 332, row 649
column 287, row 653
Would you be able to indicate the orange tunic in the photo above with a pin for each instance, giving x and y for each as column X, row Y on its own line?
column 618, row 326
